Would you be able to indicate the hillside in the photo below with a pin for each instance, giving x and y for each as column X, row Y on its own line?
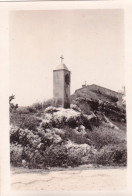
column 101, row 101
column 92, row 131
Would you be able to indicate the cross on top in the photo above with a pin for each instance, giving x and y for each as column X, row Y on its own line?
column 62, row 59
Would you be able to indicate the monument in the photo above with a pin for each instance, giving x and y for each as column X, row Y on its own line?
column 61, row 85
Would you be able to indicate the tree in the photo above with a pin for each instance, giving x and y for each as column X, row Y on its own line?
column 12, row 105
column 11, row 98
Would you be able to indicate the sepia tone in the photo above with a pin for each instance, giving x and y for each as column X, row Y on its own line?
column 75, row 129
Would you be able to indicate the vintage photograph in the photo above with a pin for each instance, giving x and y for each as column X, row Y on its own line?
column 67, row 102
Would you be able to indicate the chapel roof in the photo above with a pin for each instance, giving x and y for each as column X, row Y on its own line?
column 61, row 66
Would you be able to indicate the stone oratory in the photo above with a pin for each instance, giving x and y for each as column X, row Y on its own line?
column 61, row 85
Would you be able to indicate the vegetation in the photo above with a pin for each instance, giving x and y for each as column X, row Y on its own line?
column 91, row 132
column 11, row 105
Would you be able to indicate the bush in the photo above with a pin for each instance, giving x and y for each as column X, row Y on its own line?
column 14, row 135
column 37, row 107
column 16, row 152
column 112, row 155
column 34, row 158
column 56, row 156
column 49, row 137
column 23, row 110
column 65, row 148
column 24, row 137
column 30, row 123
column 25, row 121
column 31, row 109
column 114, row 98
column 79, row 153
column 66, row 137
column 70, row 134
column 103, row 136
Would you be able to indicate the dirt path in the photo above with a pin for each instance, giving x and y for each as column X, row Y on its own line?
column 90, row 179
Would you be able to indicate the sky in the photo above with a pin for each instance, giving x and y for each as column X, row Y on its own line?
column 91, row 41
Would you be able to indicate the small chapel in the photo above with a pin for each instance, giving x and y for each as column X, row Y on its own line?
column 61, row 85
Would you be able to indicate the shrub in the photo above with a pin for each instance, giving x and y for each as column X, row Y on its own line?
column 24, row 137
column 72, row 135
column 51, row 147
column 47, row 144
column 56, row 156
column 39, row 106
column 14, row 135
column 34, row 158
column 23, row 110
column 27, row 137
column 31, row 109
column 12, row 106
column 30, row 123
column 104, row 136
column 114, row 98
column 79, row 153
column 47, row 103
column 16, row 151
column 112, row 155
column 25, row 121
column 72, row 122
column 49, row 137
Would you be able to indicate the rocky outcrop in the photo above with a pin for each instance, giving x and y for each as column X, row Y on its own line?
column 99, row 107
column 60, row 117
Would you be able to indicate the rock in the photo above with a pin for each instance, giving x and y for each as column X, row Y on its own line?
column 40, row 145
column 90, row 166
column 61, row 117
column 75, row 107
column 110, row 124
column 80, row 130
column 58, row 131
column 24, row 163
column 51, row 109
